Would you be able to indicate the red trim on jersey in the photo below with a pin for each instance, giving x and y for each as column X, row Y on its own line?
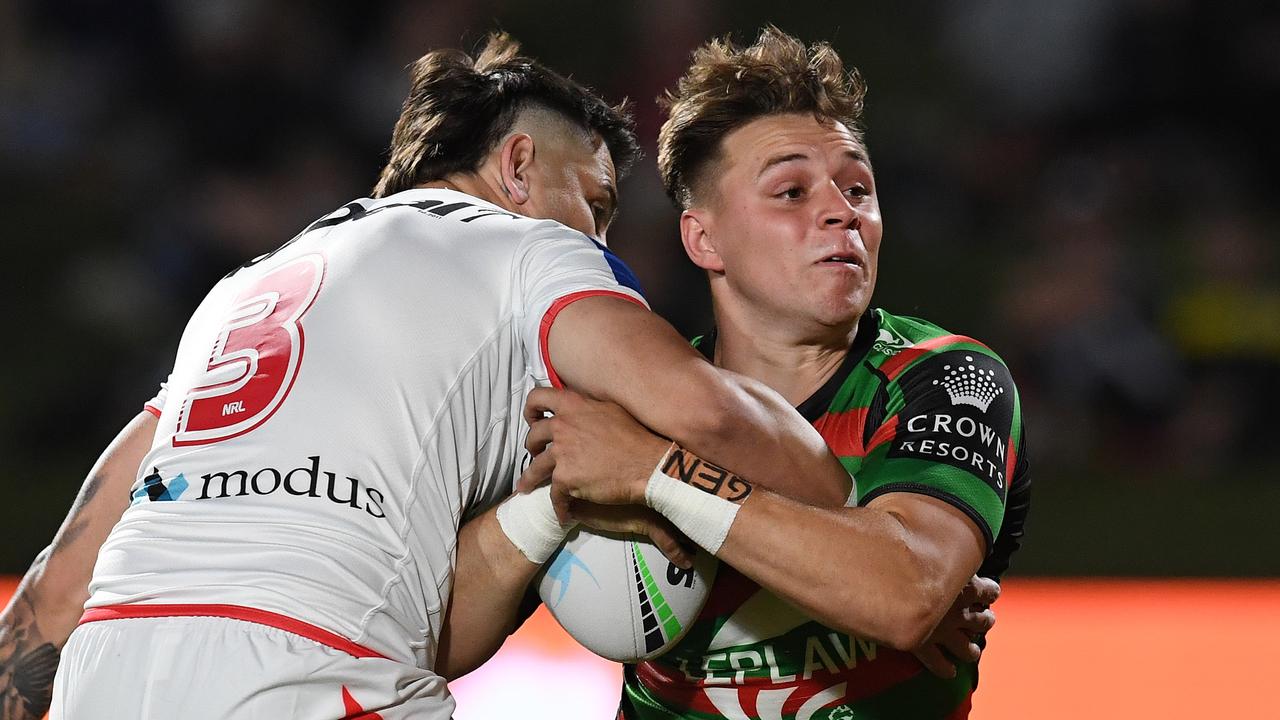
column 152, row 409
column 1011, row 461
column 887, row 431
column 728, row 591
column 234, row 612
column 895, row 365
column 843, row 432
column 353, row 709
column 544, row 330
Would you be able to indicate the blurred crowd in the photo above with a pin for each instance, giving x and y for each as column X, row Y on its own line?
column 1087, row 186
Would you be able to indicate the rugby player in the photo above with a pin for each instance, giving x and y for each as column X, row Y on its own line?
column 340, row 405
column 814, row 608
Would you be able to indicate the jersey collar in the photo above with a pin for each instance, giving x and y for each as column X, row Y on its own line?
column 817, row 403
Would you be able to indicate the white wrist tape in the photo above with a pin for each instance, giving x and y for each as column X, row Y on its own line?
column 703, row 517
column 529, row 522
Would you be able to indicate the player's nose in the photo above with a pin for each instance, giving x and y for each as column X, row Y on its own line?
column 836, row 211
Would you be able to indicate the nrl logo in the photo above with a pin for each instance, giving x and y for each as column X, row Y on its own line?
column 967, row 385
column 890, row 343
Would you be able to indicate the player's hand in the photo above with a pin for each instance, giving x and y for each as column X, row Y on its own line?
column 589, row 450
column 953, row 640
column 634, row 520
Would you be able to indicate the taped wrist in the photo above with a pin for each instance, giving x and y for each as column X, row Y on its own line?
column 529, row 522
column 700, row 498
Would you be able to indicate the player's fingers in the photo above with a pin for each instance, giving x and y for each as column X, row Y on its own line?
column 637, row 521
column 986, row 590
column 931, row 656
column 977, row 622
column 541, row 401
column 664, row 535
column 538, row 472
column 964, row 650
column 561, row 502
column 957, row 645
column 539, row 437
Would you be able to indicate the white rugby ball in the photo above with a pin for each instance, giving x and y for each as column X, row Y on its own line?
column 620, row 597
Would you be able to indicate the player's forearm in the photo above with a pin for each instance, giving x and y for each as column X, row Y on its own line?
column 49, row 601
column 795, row 463
column 853, row 569
column 489, row 582
column 613, row 350
column 28, row 657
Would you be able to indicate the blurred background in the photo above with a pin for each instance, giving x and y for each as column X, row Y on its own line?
column 1087, row 186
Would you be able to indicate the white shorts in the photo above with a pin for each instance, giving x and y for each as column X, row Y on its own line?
column 161, row 668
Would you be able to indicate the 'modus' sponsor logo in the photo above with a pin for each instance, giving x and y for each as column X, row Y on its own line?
column 307, row 480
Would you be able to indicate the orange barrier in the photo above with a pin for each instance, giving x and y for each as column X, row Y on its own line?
column 1098, row 649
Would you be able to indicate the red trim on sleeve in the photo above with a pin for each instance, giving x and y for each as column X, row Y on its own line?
column 152, row 409
column 544, row 330
column 843, row 432
column 894, row 365
column 234, row 612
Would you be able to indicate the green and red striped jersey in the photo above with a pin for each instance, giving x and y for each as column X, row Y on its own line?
column 911, row 409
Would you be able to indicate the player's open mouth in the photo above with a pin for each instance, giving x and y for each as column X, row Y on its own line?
column 841, row 260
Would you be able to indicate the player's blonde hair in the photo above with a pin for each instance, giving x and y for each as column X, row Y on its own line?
column 459, row 108
column 728, row 86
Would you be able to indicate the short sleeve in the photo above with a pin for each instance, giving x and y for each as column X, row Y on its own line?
column 155, row 405
column 952, row 432
column 556, row 267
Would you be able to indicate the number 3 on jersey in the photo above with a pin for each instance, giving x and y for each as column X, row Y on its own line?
column 256, row 356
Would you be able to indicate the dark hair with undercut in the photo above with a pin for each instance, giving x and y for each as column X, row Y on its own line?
column 459, row 108
column 728, row 86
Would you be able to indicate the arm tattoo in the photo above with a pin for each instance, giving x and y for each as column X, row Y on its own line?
column 76, row 524
column 27, row 665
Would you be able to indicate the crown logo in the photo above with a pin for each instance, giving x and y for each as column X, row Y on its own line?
column 969, row 385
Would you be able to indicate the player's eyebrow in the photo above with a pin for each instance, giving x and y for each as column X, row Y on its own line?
column 856, row 154
column 778, row 160
column 859, row 154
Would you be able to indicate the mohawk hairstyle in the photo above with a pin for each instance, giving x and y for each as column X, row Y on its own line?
column 728, row 86
column 459, row 108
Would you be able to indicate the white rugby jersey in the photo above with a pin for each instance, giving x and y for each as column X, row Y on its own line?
column 336, row 409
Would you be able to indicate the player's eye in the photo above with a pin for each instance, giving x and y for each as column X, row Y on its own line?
column 791, row 193
column 858, row 190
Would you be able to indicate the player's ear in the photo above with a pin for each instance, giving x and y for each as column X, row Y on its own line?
column 699, row 242
column 514, row 162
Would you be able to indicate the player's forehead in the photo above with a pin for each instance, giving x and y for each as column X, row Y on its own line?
column 786, row 139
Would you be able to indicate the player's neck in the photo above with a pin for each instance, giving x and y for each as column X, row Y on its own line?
column 472, row 184
column 794, row 365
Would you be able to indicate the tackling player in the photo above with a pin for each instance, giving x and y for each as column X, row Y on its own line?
column 813, row 609
column 339, row 405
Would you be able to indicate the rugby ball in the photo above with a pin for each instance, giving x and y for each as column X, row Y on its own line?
column 620, row 597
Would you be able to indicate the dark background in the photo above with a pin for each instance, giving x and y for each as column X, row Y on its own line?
column 1087, row 186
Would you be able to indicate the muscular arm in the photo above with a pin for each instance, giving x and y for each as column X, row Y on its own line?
column 51, row 597
column 490, row 579
column 611, row 349
column 888, row 571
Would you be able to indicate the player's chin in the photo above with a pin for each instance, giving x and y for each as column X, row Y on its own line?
column 839, row 313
